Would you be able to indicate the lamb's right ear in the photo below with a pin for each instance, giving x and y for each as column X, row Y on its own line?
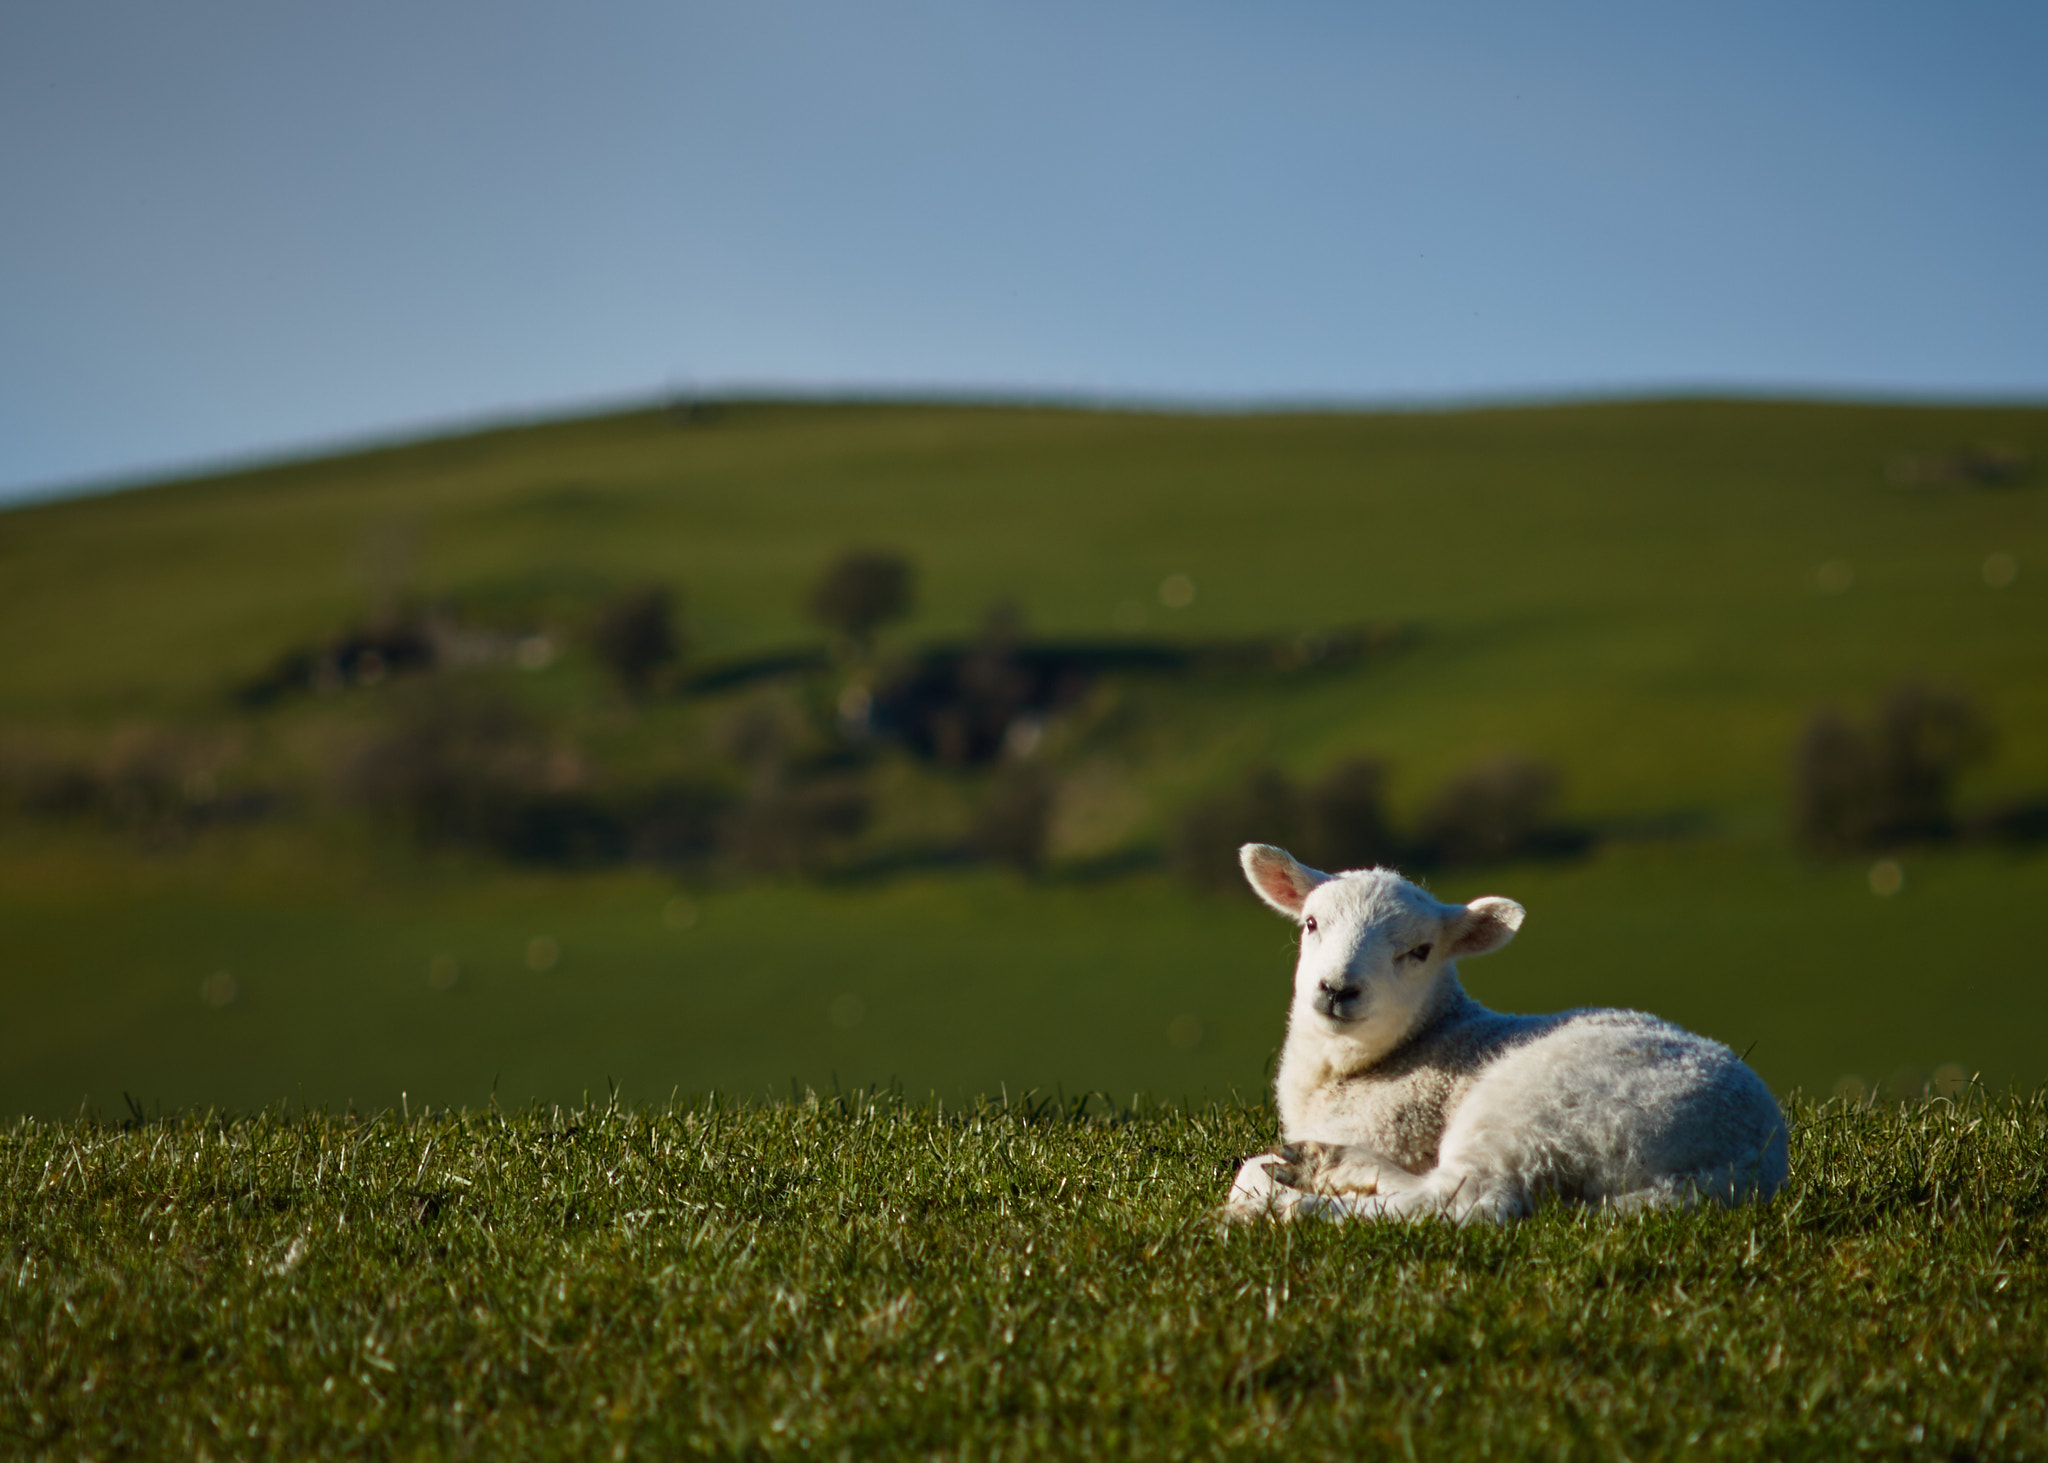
column 1280, row 879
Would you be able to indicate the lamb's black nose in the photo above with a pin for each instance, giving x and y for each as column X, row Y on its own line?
column 1329, row 997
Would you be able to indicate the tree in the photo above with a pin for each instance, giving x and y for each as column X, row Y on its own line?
column 862, row 591
column 1834, row 778
column 1261, row 807
column 1889, row 781
column 635, row 636
column 1493, row 811
column 1344, row 819
column 1925, row 737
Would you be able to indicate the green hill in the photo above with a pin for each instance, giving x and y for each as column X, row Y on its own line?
column 1649, row 597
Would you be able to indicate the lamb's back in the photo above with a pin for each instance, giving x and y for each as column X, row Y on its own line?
column 1604, row 1103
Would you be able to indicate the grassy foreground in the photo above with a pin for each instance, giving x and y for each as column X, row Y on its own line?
column 875, row 1277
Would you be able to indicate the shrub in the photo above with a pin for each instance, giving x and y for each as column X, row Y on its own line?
column 795, row 827
column 1343, row 820
column 161, row 784
column 1261, row 808
column 1891, row 780
column 453, row 769
column 635, row 635
column 471, row 770
column 676, row 822
column 1016, row 819
column 1496, row 810
column 762, row 733
column 1924, row 738
column 861, row 592
column 1834, row 780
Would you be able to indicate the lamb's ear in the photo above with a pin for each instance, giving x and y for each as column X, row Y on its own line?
column 1279, row 878
column 1483, row 925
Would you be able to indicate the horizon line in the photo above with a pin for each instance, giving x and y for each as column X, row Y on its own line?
column 456, row 426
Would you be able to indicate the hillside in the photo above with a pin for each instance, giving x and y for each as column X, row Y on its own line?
column 1649, row 599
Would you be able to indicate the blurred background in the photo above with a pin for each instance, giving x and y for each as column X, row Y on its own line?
column 765, row 548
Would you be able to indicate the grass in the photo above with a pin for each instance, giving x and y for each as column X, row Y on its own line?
column 1626, row 589
column 968, row 984
column 870, row 1277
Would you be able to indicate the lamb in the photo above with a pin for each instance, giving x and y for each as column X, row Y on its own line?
column 1401, row 1096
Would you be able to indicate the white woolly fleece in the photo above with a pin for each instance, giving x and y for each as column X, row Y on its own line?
column 1400, row 1095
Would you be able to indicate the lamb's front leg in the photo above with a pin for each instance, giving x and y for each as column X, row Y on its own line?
column 1257, row 1194
column 1463, row 1196
column 1314, row 1180
column 1339, row 1170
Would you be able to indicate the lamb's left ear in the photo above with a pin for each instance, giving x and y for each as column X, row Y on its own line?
column 1483, row 925
column 1281, row 880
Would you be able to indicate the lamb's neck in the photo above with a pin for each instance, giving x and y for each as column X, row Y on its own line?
column 1313, row 1061
column 1449, row 1009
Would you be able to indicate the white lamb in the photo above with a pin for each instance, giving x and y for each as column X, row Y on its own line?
column 1400, row 1095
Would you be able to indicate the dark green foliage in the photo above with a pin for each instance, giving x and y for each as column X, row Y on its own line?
column 861, row 592
column 875, row 1278
column 456, row 767
column 461, row 769
column 358, row 656
column 1015, row 819
column 1891, row 781
column 1833, row 774
column 1344, row 818
column 1261, row 807
column 1925, row 738
column 1497, row 810
column 793, row 825
column 162, row 786
column 635, row 636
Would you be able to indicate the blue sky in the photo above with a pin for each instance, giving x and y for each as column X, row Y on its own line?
column 245, row 229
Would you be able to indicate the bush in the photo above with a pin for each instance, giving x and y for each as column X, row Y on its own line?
column 1891, row 780
column 635, row 635
column 1924, row 739
column 474, row 771
column 861, row 592
column 1260, row 808
column 163, row 785
column 676, row 822
column 1496, row 810
column 1016, row 819
column 1343, row 820
column 454, row 769
column 795, row 827
column 1834, row 781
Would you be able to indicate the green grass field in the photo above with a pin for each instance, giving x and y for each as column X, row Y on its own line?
column 1630, row 591
column 877, row 1278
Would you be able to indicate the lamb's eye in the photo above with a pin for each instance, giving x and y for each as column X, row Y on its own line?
column 1309, row 924
column 1420, row 952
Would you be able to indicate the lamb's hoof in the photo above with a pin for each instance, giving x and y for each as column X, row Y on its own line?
column 1252, row 1192
column 1301, row 1162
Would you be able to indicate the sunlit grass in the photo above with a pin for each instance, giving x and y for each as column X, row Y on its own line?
column 874, row 1277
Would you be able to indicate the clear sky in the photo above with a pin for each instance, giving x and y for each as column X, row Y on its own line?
column 245, row 228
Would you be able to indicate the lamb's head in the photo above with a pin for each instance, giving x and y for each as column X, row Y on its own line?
column 1376, row 951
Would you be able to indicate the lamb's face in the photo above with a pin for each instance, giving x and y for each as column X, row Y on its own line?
column 1374, row 947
